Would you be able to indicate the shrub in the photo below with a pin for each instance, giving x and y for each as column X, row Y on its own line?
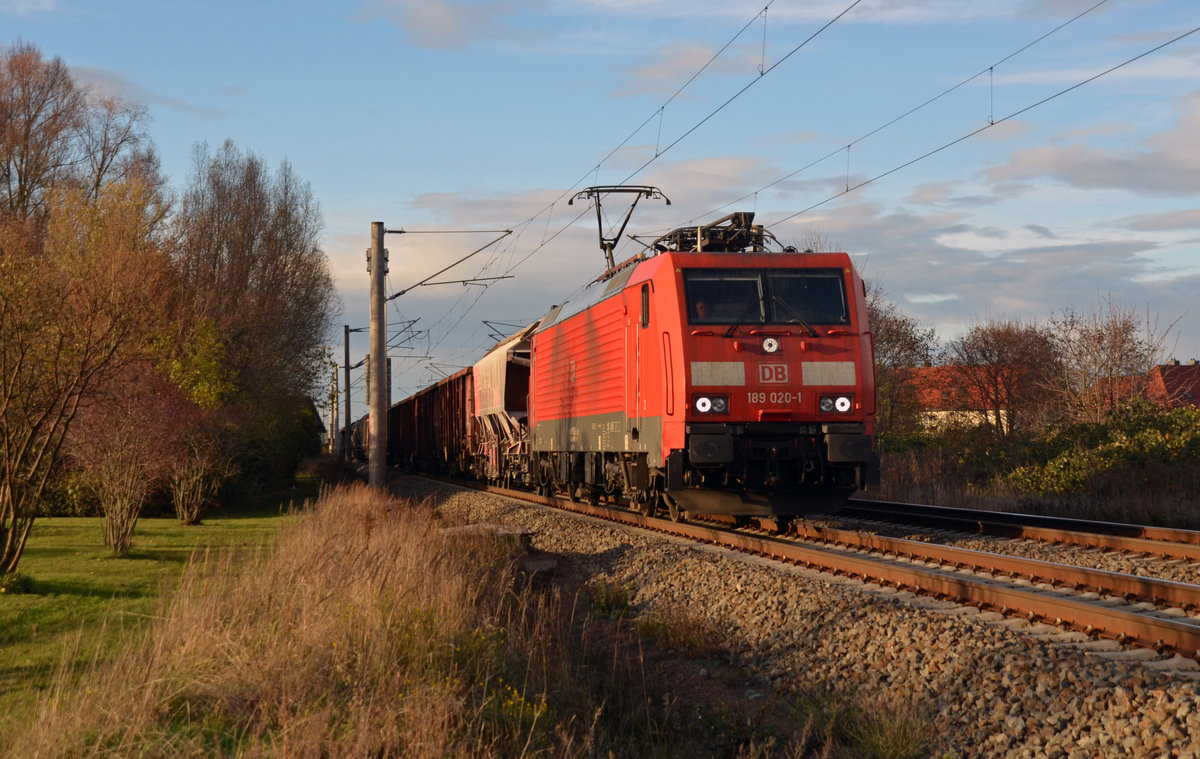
column 1143, row 466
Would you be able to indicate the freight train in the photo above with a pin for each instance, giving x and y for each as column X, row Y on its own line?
column 706, row 374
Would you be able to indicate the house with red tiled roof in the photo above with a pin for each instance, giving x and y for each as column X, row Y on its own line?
column 1173, row 385
column 946, row 398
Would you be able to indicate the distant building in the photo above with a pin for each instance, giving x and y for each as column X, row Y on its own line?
column 1173, row 385
column 946, row 398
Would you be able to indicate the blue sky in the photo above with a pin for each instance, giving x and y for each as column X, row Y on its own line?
column 491, row 115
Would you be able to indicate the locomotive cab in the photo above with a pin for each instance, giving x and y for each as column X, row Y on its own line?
column 708, row 375
column 779, row 386
column 778, row 375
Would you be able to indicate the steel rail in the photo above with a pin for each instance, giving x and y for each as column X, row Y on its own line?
column 1155, row 541
column 1152, row 589
column 1094, row 617
column 1150, row 532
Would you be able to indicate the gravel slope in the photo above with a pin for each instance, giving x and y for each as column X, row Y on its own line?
column 990, row 687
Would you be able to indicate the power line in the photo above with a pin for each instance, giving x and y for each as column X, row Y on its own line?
column 987, row 70
column 990, row 124
column 743, row 90
column 547, row 211
column 658, row 153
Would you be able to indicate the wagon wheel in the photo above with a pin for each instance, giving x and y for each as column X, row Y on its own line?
column 573, row 492
column 542, row 484
column 646, row 503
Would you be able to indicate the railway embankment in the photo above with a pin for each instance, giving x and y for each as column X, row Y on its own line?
column 981, row 684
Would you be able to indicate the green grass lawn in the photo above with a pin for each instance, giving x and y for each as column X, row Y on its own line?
column 80, row 599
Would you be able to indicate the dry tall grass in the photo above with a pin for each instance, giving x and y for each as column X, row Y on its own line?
column 362, row 632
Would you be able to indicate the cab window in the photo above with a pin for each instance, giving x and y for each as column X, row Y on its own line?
column 813, row 297
column 723, row 298
column 770, row 296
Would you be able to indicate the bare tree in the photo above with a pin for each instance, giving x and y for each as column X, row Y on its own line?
column 1006, row 367
column 41, row 115
column 815, row 241
column 55, row 134
column 114, row 144
column 1106, row 357
column 249, row 256
column 117, row 445
column 250, row 263
column 78, row 271
column 900, row 344
column 198, row 458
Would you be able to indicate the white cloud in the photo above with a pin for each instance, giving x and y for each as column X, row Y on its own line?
column 1168, row 164
column 665, row 70
column 954, row 195
column 1188, row 218
column 28, row 7
column 111, row 83
column 445, row 25
column 1176, row 65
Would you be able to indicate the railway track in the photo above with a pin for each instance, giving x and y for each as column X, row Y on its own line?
column 1159, row 614
column 1114, row 536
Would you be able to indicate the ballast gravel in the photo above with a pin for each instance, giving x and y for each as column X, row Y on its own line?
column 987, row 686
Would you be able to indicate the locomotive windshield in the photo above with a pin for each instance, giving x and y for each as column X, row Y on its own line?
column 770, row 296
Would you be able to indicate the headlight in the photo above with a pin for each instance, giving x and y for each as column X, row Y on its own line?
column 834, row 403
column 711, row 404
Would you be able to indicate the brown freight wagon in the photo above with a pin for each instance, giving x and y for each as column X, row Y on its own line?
column 433, row 431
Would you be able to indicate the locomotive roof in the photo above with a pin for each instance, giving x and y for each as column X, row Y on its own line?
column 595, row 292
column 735, row 233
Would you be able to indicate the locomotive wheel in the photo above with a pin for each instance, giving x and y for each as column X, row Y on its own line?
column 673, row 508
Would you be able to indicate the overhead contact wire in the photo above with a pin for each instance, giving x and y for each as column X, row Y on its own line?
column 912, row 110
column 740, row 92
column 984, row 128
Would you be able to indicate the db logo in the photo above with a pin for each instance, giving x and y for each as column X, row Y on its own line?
column 773, row 374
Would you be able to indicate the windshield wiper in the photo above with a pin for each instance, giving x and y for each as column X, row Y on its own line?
column 793, row 313
column 744, row 316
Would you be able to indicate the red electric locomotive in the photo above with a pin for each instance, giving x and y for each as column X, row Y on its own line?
column 704, row 375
